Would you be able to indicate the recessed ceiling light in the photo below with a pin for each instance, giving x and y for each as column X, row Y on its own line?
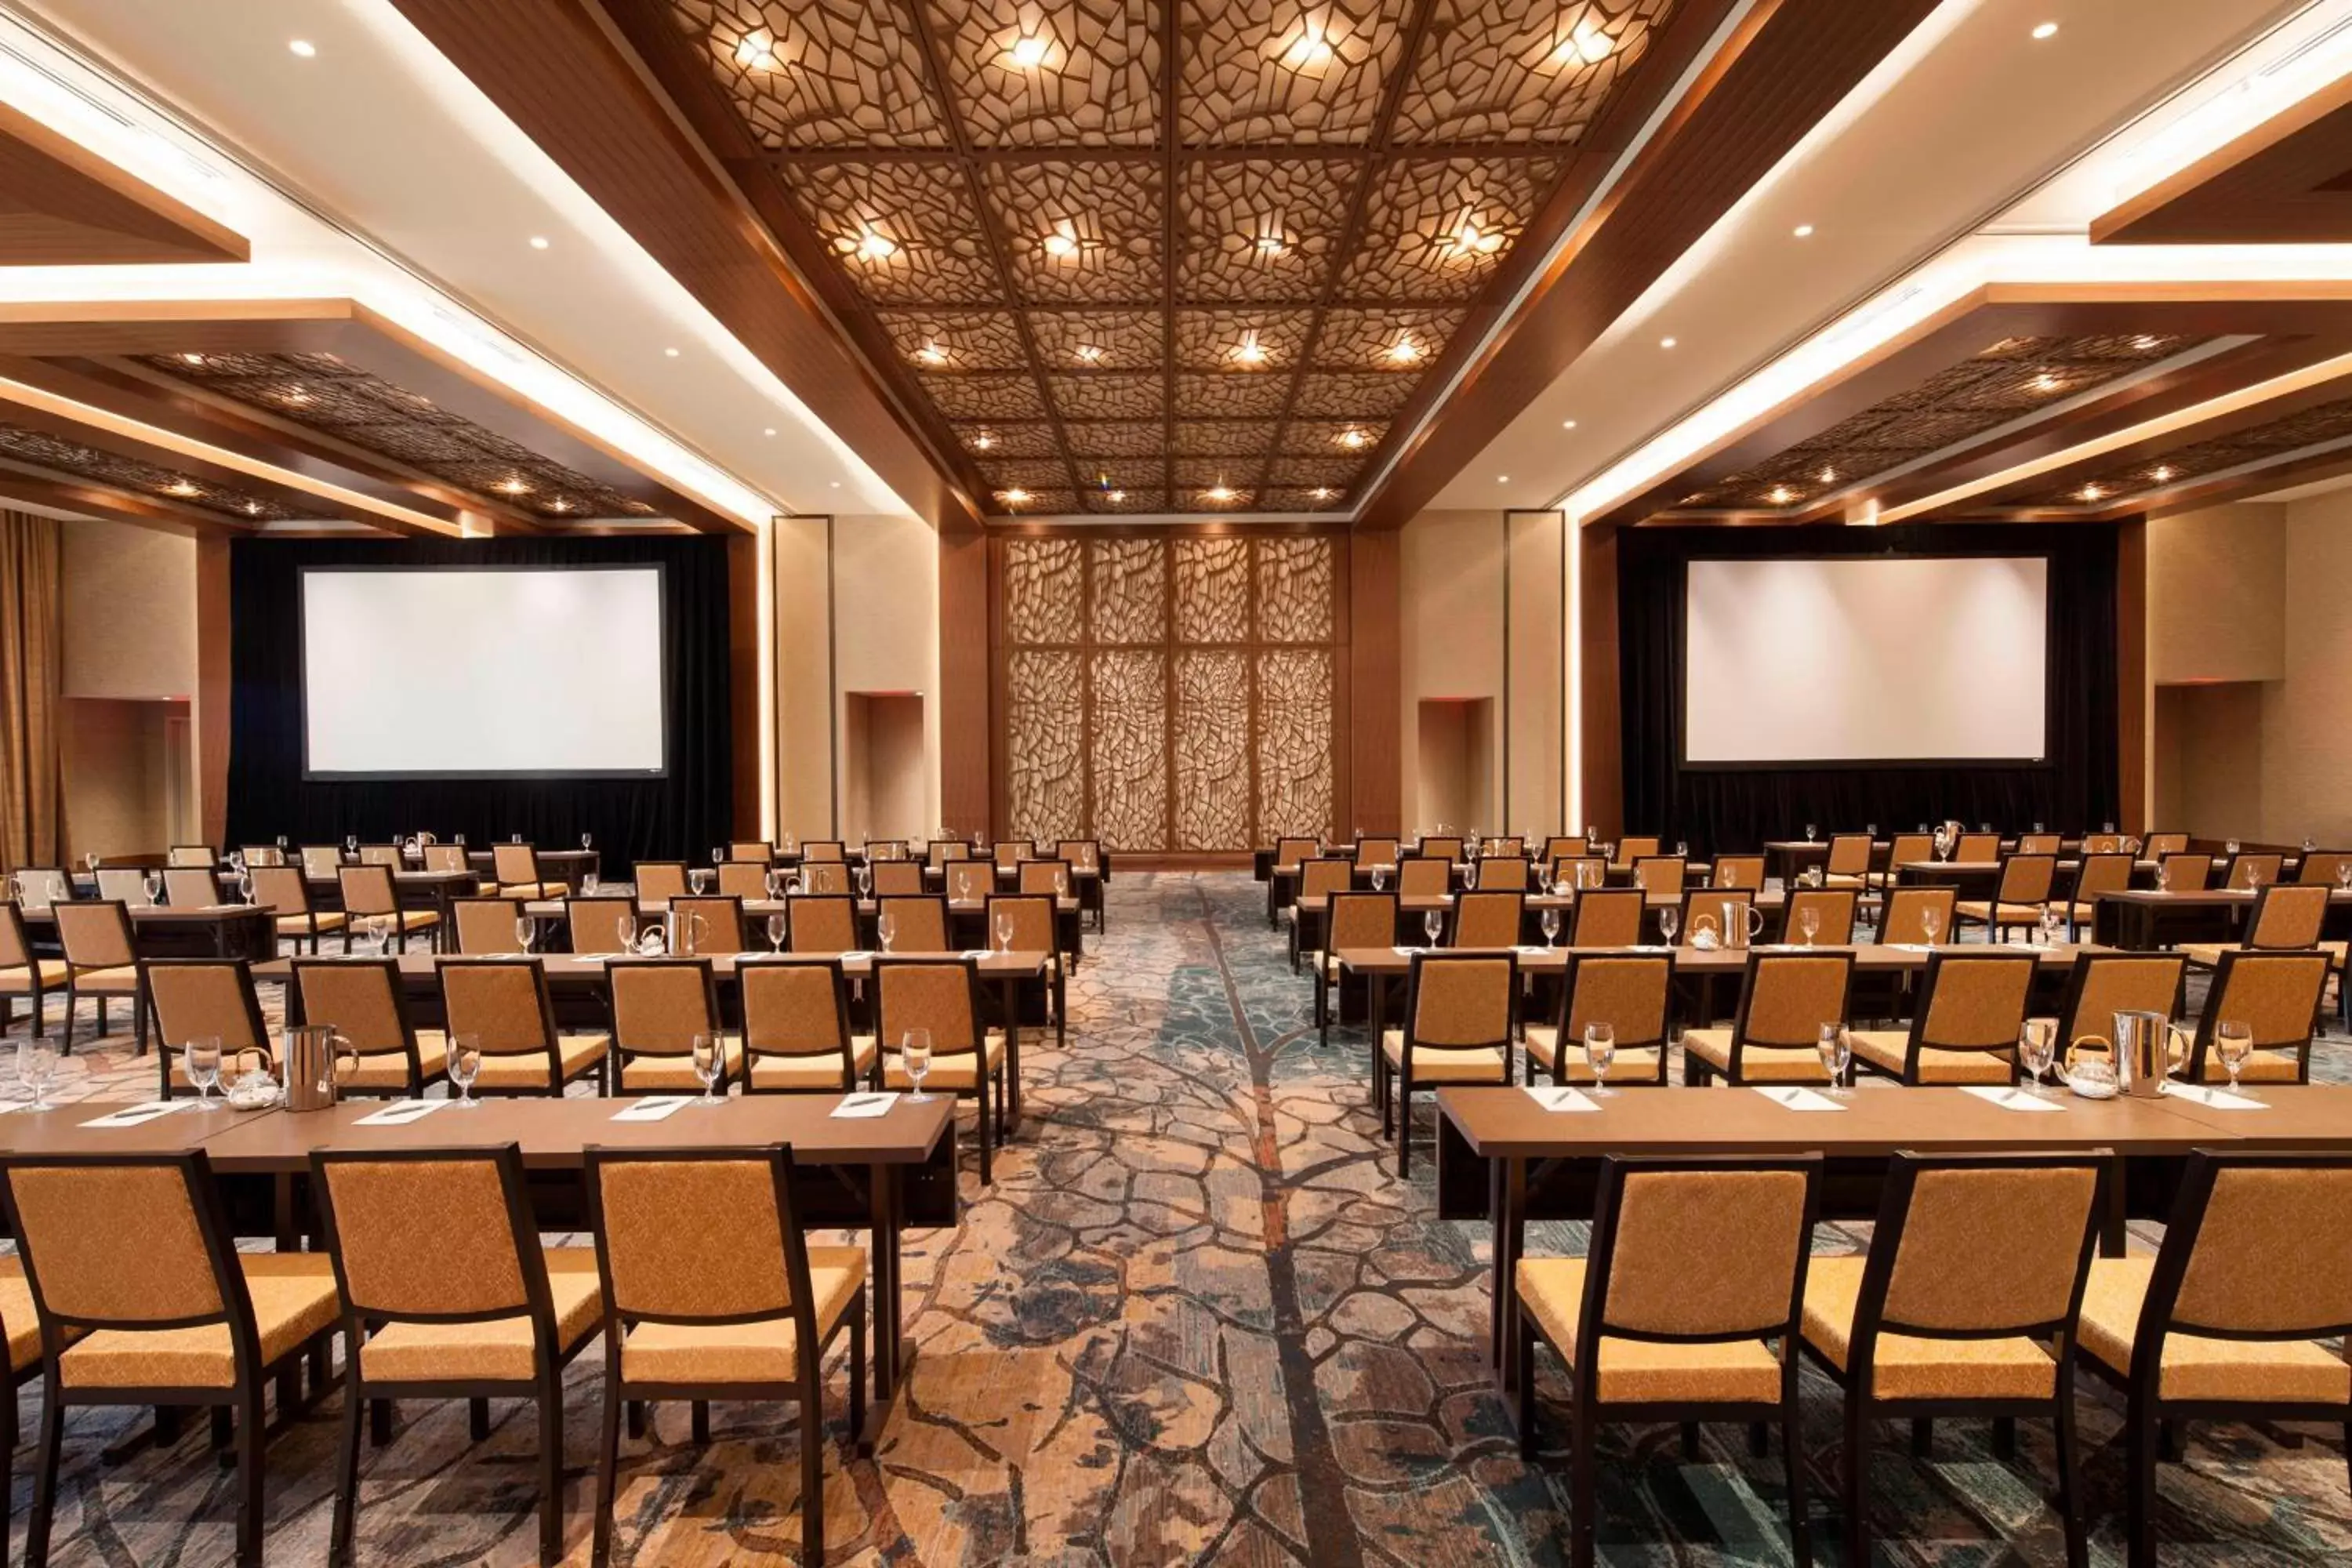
column 1502, row 479
column 303, row 47
column 1829, row 476
column 539, row 242
column 560, row 504
column 671, row 353
column 2045, row 382
column 1471, row 240
column 983, row 442
column 1249, row 350
column 1218, row 492
column 1568, row 424
column 1351, row 438
column 1780, row 495
column 1270, row 243
column 2093, row 492
column 1029, row 52
column 296, row 395
column 1323, row 492
column 1091, row 353
column 1804, row 231
column 1588, row 44
column 191, row 359
column 871, row 245
column 1115, row 496
column 769, row 431
column 253, row 509
column 1013, row 497
column 1665, row 343
column 513, row 485
column 757, row 50
column 932, row 354
column 2161, row 473
column 1061, row 245
column 1404, row 350
column 1310, row 51
column 2146, row 340
column 180, row 488
column 2046, row 30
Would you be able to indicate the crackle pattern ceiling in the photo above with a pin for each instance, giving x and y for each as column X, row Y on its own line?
column 44, row 455
column 1144, row 256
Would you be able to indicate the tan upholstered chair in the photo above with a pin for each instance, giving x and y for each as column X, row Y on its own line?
column 659, row 881
column 20, row 1329
column 286, row 892
column 263, row 855
column 1903, row 917
column 115, row 1245
column 2019, row 893
column 745, row 879
column 2274, row 994
column 828, row 850
column 1318, row 878
column 1458, row 1029
column 203, row 855
column 2287, row 917
column 1290, row 849
column 824, row 876
column 1353, row 921
column 1933, row 1322
column 1446, row 846
column 1503, row 873
column 878, row 850
column 2105, row 983
column 1051, row 877
column 2095, row 875
column 364, row 1001
column 1720, row 909
column 1964, row 1027
column 1609, row 916
column 716, row 923
column 443, row 858
column 1503, row 844
column 1083, row 854
column 322, row 861
column 895, row 878
column 25, row 973
column 448, row 1293
column 1832, row 910
column 1849, row 860
column 2251, row 868
column 942, row 995
column 1976, row 849
column 1739, row 871
column 127, row 883
column 370, row 893
column 757, row 851
column 2184, row 871
column 941, row 850
column 504, row 1004
column 796, row 1032
column 1034, row 924
column 2323, row 867
column 1632, row 993
column 970, row 882
column 744, row 1310
column 919, row 922
column 2048, row 843
column 379, row 854
column 1425, row 877
column 191, row 888
column 657, row 1006
column 822, row 922
column 203, row 998
column 1905, row 849
column 1785, row 998
column 1486, row 919
column 1379, row 850
column 101, row 958
column 595, row 925
column 2224, row 1322
column 1632, row 849
column 515, row 868
column 1645, row 1337
column 1566, row 846
column 1580, row 871
column 487, row 926
column 2159, row 845
column 1086, row 860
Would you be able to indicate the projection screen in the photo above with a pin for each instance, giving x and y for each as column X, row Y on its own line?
column 521, row 672
column 1884, row 660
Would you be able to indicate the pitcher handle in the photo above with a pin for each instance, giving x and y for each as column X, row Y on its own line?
column 2178, row 1048
column 341, row 1055
column 1755, row 921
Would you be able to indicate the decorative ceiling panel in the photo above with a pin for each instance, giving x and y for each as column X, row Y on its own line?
column 831, row 73
column 1243, row 342
column 986, row 396
column 1116, row 437
column 1012, row 439
column 1322, row 437
column 1388, row 340
column 937, row 341
column 1521, row 70
column 1099, row 340
column 1076, row 73
column 906, row 233
column 1259, row 71
column 1118, row 501
column 1079, row 233
column 1261, row 229
column 2327, row 424
column 1209, row 473
column 1224, row 438
column 1299, row 498
column 1028, row 473
column 1345, row 395
column 1226, row 396
column 1336, row 472
column 18, row 444
column 1046, row 502
column 1436, row 229
column 1108, row 396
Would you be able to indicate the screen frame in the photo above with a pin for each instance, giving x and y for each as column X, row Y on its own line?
column 2046, row 762
column 302, row 574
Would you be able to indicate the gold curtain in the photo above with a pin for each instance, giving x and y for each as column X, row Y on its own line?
column 32, row 661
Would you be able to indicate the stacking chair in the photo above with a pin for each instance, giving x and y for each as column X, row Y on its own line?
column 757, row 851
column 2249, row 869
column 102, row 957
column 1903, row 917
column 1290, row 849
column 970, row 881
column 263, row 855
column 379, row 854
column 896, row 878
column 25, row 973
column 1580, row 871
column 1905, row 849
column 942, row 995
column 1609, row 916
column 1849, row 862
column 487, row 926
column 2096, row 874
column 192, row 888
column 370, row 891
column 2159, row 844
column 203, row 855
column 2223, row 1323
column 144, row 1299
column 1832, row 910
column 2019, row 893
column 740, row 1311
column 322, row 861
column 2276, row 995
column 1976, row 849
column 823, row 849
column 2287, row 917
column 1506, row 873
column 285, row 891
column 1640, row 1343
column 1034, row 924
column 2105, row 983
column 2048, row 843
column 1660, row 874
column 1631, row 850
column 1447, row 848
column 41, row 887
column 1458, row 1029
column 1964, row 1026
column 1353, row 921
column 716, row 922
column 1785, row 998
column 1503, row 844
column 1425, row 877
column 20, row 1331
column 1051, row 877
column 1739, row 871
column 597, row 925
column 745, row 880
column 832, row 876
column 125, row 883
column 504, row 1004
column 2323, row 867
column 796, row 1033
column 1378, row 851
column 1318, row 878
column 880, row 849
column 448, row 1293
column 1632, row 992
column 1721, row 908
column 203, row 998
column 942, row 850
column 919, row 922
column 1084, row 857
column 363, row 1001
column 658, row 1005
column 1933, row 1322
column 1569, row 845
column 821, row 922
column 1486, row 919
column 1008, row 853
column 439, row 857
column 2185, row 870
column 659, row 881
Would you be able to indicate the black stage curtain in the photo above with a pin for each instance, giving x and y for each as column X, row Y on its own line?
column 681, row 815
column 1721, row 809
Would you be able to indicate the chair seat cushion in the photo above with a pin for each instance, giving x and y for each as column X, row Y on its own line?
column 528, row 1069
column 120, row 980
column 533, row 890
column 293, row 1297
column 1887, row 1049
column 17, row 1315
column 1445, row 1064
column 664, row 1074
column 1910, row 1367
column 319, row 919
column 19, row 981
column 814, row 1072
column 1758, row 1064
column 2195, row 1367
column 959, row 1070
column 744, row 1353
column 2261, row 1067
column 380, row 1070
column 1634, row 1064
column 2009, row 914
column 1640, row 1372
column 497, row 1350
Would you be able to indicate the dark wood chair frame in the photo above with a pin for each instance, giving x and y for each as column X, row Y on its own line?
column 1698, row 1074
column 832, row 966
column 887, row 904
column 2201, row 1044
column 247, row 994
column 556, row 1081
column 1396, row 1095
column 1569, row 976
column 1922, row 1005
column 1058, row 990
column 710, row 1013
column 74, row 972
column 992, row 1124
column 389, row 968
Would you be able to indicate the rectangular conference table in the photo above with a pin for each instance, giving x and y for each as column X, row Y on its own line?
column 883, row 1174
column 2144, row 920
column 965, row 916
column 1504, row 1157
column 165, row 931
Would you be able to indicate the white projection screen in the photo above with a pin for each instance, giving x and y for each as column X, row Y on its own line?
column 1911, row 659
column 513, row 672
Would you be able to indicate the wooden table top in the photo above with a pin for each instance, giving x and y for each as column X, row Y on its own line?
column 578, row 968
column 554, row 909
column 60, row 1131
column 166, row 914
column 1423, row 903
column 2204, row 898
column 1508, row 1123
column 1868, row 957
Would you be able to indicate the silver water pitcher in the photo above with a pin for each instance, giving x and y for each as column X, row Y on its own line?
column 2145, row 1046
column 311, row 1058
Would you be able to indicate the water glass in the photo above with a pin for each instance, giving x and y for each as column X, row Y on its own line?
column 1812, row 832
column 1004, row 933
column 2233, row 1042
column 465, row 1066
column 886, row 926
column 624, row 930
column 1432, row 923
column 37, row 1062
column 1931, row 923
column 1670, row 920
column 710, row 1066
column 588, row 884
column 1380, row 879
column 1809, row 921
column 776, row 932
column 587, row 841
column 1551, row 922
column 152, row 886
column 2037, row 1045
column 1836, row 1048
column 915, row 1051
column 1600, row 1052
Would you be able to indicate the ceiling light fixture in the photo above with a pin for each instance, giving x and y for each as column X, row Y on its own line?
column 1829, row 476
column 2162, row 473
column 1568, row 424
column 1803, row 231
column 669, row 353
column 191, row 359
column 873, row 245
column 1468, row 240
column 1014, row 497
column 513, row 485
column 1666, row 342
column 983, row 442
column 253, row 509
column 2046, row 30
column 932, row 354
column 180, row 488
column 1061, row 244
column 1352, row 438
column 1249, row 350
column 1780, row 495
column 1404, row 350
column 296, row 395
column 539, row 242
column 1310, row 51
column 1502, row 479
column 1218, row 492
column 1090, row 354
column 1270, row 243
column 1323, row 492
column 304, row 48
column 1029, row 51
column 1588, row 44
column 2093, row 492
column 560, row 504
column 2145, row 341
column 1115, row 496
column 757, row 50
column 2046, row 382
column 771, row 430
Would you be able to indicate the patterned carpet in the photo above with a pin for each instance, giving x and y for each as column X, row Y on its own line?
column 1195, row 1321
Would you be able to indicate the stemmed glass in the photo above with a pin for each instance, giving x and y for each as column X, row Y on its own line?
column 587, row 841
column 1004, row 932
column 1600, row 1052
column 865, row 882
column 1551, row 922
column 1670, row 919
column 776, row 932
column 380, row 931
column 526, row 932
column 1809, row 921
column 2343, row 874
column 2233, row 1042
column 1812, row 832
column 886, row 926
column 2037, row 1044
column 1931, row 923
column 2164, row 875
column 203, row 1058
column 915, row 1051
column 1380, row 878
column 701, row 880
column 1431, row 923
column 465, row 1066
column 37, row 1062
column 243, row 884
column 152, row 886
column 1836, row 1048
column 710, row 1066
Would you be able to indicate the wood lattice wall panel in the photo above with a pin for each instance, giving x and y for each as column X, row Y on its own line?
column 1212, row 590
column 1127, row 750
column 1213, row 755
column 1043, row 590
column 1045, row 721
column 1129, row 590
column 1293, row 590
column 1294, row 721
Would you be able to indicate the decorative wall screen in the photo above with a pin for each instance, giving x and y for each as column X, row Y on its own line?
column 1170, row 692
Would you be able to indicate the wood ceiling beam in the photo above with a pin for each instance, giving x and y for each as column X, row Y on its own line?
column 2284, row 181
column 54, row 491
column 61, row 205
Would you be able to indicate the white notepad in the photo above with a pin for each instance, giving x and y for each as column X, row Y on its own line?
column 860, row 1106
column 2212, row 1099
column 1792, row 1099
column 2010, row 1099
column 401, row 1112
column 658, row 1109
column 1561, row 1096
column 139, row 1115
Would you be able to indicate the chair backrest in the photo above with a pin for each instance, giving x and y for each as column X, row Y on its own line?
column 1289, row 851
column 2323, row 867
column 321, row 859
column 1051, row 877
column 1850, row 854
column 2288, row 915
column 1487, row 918
column 1751, row 1218
column 195, row 854
column 2186, row 870
column 1033, row 921
column 1325, row 875
column 2253, row 869
column 1660, row 873
column 368, row 890
column 880, row 849
column 1447, row 847
column 897, row 878
column 825, row 876
column 487, row 925
column 1504, row 873
column 745, row 880
column 1376, row 851
column 2159, row 845
column 759, row 851
column 1630, row 992
column 1503, row 844
column 264, row 855
column 95, row 933
column 359, row 998
column 1972, row 1001
column 2092, row 843
column 2274, row 994
column 2027, row 878
column 822, row 922
column 381, row 855
column 200, row 998
column 1631, row 849
column 941, row 994
column 1569, row 844
column 721, row 923
column 1832, row 908
column 597, row 925
column 659, row 1005
column 942, row 850
column 751, row 1268
column 2050, row 842
column 823, row 849
column 971, row 881
column 191, row 887
column 1609, row 916
column 127, row 884
column 127, row 1241
column 2103, row 873
column 1707, row 905
column 1425, row 877
column 918, row 921
column 661, row 879
column 15, row 948
column 1906, row 848
column 1739, row 871
column 433, row 1236
column 1929, row 1273
column 2105, row 983
column 1580, row 871
column 795, row 1007
column 1010, row 852
column 502, row 1002
column 1977, row 847
column 2259, row 1246
column 1362, row 921
column 1786, row 998
column 1460, row 1000
column 1085, row 854
column 1904, row 916
column 439, row 857
column 281, row 888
